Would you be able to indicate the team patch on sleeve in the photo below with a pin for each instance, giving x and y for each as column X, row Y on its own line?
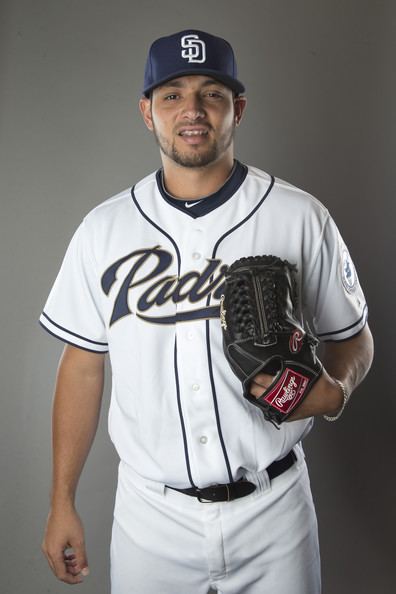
column 348, row 272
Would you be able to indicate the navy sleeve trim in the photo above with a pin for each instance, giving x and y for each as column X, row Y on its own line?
column 72, row 333
column 362, row 318
column 70, row 342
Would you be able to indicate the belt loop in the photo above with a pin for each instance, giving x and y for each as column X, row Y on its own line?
column 300, row 454
column 264, row 480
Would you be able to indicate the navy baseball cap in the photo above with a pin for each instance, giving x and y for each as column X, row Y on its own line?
column 190, row 52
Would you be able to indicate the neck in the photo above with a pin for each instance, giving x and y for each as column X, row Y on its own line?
column 192, row 183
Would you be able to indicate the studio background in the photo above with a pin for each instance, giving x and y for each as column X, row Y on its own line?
column 320, row 79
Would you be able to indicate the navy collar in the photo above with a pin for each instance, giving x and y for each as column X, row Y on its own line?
column 201, row 207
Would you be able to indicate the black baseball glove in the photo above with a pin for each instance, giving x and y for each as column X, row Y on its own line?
column 262, row 334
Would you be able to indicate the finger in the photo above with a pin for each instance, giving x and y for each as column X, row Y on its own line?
column 263, row 379
column 257, row 390
column 60, row 570
column 71, row 566
column 73, row 571
column 80, row 557
column 70, row 561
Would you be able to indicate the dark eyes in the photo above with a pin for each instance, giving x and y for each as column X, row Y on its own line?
column 208, row 94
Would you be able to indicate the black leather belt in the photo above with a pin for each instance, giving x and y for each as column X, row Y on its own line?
column 241, row 488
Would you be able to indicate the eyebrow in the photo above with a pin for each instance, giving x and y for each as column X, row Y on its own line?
column 179, row 83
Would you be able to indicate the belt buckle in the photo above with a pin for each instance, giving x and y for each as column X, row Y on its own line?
column 203, row 500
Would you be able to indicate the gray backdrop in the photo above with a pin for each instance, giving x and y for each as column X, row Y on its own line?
column 320, row 76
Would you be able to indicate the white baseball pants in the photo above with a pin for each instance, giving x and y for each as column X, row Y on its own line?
column 165, row 542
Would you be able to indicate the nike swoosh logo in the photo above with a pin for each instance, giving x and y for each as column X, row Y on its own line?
column 190, row 204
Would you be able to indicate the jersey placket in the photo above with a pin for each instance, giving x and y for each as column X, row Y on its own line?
column 205, row 453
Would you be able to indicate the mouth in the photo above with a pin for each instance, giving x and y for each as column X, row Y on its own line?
column 189, row 132
column 193, row 134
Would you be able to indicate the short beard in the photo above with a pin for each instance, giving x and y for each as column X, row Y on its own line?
column 191, row 159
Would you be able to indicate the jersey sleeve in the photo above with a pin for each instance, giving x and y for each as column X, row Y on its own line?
column 332, row 292
column 72, row 312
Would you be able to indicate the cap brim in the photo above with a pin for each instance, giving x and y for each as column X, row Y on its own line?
column 232, row 83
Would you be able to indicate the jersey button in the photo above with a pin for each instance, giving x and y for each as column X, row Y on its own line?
column 196, row 256
column 196, row 387
column 203, row 439
column 190, row 335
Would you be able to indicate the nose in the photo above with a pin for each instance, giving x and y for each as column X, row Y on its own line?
column 193, row 109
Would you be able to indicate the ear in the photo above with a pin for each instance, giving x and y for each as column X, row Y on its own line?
column 145, row 110
column 239, row 108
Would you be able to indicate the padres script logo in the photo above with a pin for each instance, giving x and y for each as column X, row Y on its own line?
column 162, row 287
column 194, row 49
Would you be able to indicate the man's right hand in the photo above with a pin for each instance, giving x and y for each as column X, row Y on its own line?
column 64, row 546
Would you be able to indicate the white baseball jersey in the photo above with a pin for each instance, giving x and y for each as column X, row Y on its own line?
column 142, row 279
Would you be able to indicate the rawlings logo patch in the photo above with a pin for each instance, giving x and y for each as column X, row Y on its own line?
column 296, row 341
column 288, row 391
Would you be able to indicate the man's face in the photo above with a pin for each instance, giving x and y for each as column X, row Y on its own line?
column 193, row 119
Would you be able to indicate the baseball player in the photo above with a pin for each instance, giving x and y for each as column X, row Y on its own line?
column 142, row 279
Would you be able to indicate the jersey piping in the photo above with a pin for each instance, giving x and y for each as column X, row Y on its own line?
column 183, row 426
column 246, row 218
column 157, row 227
